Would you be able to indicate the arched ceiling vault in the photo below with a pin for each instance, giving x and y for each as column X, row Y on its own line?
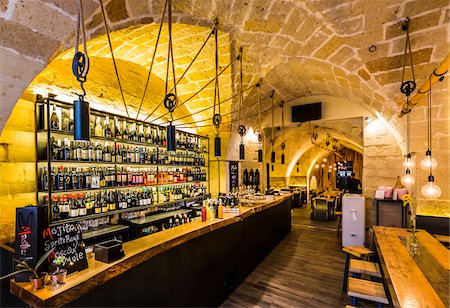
column 297, row 47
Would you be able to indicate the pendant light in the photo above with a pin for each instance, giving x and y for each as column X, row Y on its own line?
column 408, row 180
column 283, row 145
column 272, row 155
column 430, row 190
column 407, row 87
column 241, row 128
column 170, row 99
column 260, row 149
column 217, row 117
column 80, row 68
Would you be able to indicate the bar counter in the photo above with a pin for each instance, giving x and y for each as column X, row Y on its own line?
column 198, row 263
column 422, row 281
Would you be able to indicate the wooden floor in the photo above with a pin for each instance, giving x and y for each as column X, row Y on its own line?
column 304, row 270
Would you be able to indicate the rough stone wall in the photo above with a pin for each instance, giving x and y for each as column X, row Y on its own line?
column 17, row 165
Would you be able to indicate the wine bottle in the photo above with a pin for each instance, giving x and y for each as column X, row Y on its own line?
column 55, row 208
column 64, row 213
column 71, row 124
column 117, row 132
column 107, row 128
column 82, row 211
column 98, row 130
column 125, row 131
column 54, row 119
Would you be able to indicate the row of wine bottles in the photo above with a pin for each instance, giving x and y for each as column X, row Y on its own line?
column 62, row 119
column 80, row 204
column 99, row 152
column 251, row 178
column 67, row 178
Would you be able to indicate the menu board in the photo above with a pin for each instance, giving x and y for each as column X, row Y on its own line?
column 67, row 241
column 233, row 170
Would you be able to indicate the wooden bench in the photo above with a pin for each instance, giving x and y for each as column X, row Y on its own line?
column 365, row 267
column 367, row 290
column 443, row 239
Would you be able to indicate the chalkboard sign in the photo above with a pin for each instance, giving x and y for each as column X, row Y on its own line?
column 233, row 170
column 68, row 242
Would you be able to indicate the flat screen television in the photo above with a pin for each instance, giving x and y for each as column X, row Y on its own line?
column 308, row 112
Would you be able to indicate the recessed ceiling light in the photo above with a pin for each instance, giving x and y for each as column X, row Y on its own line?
column 372, row 48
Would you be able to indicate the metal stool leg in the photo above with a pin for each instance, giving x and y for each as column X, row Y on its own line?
column 347, row 263
column 354, row 301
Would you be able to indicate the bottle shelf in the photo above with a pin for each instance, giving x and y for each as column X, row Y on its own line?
column 119, row 211
column 78, row 162
column 117, row 187
column 117, row 140
column 156, row 217
column 104, row 231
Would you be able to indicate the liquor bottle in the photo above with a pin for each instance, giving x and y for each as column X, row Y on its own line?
column 54, row 149
column 89, row 203
column 82, row 211
column 98, row 152
column 74, row 179
column 55, row 208
column 104, row 203
column 156, row 137
column 97, row 204
column 71, row 124
column 111, row 201
column 245, row 179
column 73, row 206
column 98, row 130
column 141, row 136
column 84, row 151
column 54, row 119
column 125, row 131
column 134, row 135
column 90, row 152
column 149, row 137
column 44, row 179
column 251, row 178
column 220, row 210
column 64, row 206
column 87, row 178
column 64, row 121
column 107, row 133
column 67, row 175
column 107, row 157
column 117, row 132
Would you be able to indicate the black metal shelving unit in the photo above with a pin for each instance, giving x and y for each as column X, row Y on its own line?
column 43, row 156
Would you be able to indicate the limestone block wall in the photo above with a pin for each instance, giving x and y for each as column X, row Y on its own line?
column 17, row 165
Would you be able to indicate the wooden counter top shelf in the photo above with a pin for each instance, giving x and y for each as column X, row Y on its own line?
column 422, row 281
column 143, row 250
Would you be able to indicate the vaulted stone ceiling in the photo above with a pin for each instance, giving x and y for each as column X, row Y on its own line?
column 298, row 48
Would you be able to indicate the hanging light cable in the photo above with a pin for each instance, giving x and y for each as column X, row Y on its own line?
column 408, row 180
column 241, row 128
column 170, row 99
column 80, row 68
column 430, row 190
column 272, row 155
column 217, row 118
column 283, row 145
column 428, row 162
column 260, row 138
column 112, row 56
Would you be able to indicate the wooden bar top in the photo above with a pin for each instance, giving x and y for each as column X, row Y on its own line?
column 136, row 252
column 409, row 284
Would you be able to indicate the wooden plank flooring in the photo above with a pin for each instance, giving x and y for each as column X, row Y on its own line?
column 304, row 270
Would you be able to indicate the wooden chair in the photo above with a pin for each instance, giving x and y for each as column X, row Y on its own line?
column 367, row 290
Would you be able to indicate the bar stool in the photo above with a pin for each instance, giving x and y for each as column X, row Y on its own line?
column 367, row 290
column 357, row 252
column 339, row 214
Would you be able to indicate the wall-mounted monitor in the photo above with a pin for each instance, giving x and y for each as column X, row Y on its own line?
column 308, row 112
